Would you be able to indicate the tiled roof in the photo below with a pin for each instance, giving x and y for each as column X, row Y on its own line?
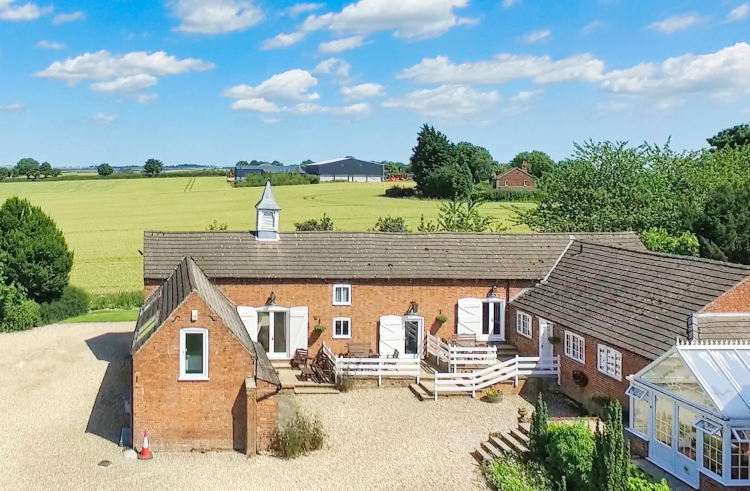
column 350, row 256
column 636, row 300
column 185, row 279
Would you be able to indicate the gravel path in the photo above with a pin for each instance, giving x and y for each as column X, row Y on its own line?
column 58, row 420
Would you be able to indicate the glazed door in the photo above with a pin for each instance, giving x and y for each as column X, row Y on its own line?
column 273, row 333
column 545, row 332
column 413, row 336
column 673, row 445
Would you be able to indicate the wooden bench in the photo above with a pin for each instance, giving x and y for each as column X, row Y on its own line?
column 358, row 350
column 464, row 340
column 300, row 358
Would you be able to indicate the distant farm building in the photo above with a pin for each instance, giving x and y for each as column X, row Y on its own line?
column 242, row 171
column 515, row 178
column 347, row 169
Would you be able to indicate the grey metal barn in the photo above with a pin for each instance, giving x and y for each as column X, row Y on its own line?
column 347, row 169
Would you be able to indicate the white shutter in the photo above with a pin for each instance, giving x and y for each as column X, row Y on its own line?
column 602, row 358
column 469, row 316
column 391, row 335
column 297, row 328
column 249, row 317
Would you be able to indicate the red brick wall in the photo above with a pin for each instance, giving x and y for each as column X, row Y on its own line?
column 267, row 413
column 515, row 178
column 598, row 383
column 708, row 484
column 735, row 300
column 183, row 415
column 370, row 300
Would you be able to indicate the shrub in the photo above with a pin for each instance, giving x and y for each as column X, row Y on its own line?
column 104, row 170
column 71, row 303
column 638, row 481
column 277, row 179
column 391, row 224
column 509, row 473
column 400, row 192
column 33, row 253
column 324, row 224
column 299, row 436
column 511, row 195
column 217, row 225
column 17, row 313
column 570, row 451
column 659, row 240
column 344, row 383
column 538, row 433
column 118, row 300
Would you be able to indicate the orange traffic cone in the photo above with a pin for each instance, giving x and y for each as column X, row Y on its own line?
column 145, row 452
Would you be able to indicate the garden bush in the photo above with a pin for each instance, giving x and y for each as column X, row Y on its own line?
column 638, row 481
column 509, row 195
column 391, row 224
column 122, row 300
column 570, row 449
column 300, row 435
column 72, row 302
column 509, row 473
column 323, row 224
column 344, row 383
column 277, row 179
column 400, row 192
column 17, row 313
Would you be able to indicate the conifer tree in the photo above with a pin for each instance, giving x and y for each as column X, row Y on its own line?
column 538, row 433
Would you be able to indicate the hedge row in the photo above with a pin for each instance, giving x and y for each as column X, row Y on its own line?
column 123, row 175
column 508, row 195
column 277, row 179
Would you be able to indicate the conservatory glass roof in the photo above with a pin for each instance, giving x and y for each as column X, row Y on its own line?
column 713, row 376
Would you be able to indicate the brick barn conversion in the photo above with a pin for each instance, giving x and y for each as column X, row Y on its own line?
column 515, row 179
column 599, row 302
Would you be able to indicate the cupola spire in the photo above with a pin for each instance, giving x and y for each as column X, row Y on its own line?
column 268, row 215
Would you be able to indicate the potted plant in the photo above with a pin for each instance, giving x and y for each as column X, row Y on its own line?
column 441, row 318
column 522, row 413
column 320, row 328
column 554, row 339
column 493, row 396
column 580, row 378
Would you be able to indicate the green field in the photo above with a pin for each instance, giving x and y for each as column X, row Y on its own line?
column 103, row 221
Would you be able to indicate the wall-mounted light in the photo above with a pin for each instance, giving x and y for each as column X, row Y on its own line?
column 493, row 292
column 193, row 315
column 413, row 308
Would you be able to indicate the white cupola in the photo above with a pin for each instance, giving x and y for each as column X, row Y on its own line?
column 268, row 216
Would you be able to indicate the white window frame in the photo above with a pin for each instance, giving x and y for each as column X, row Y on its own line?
column 348, row 320
column 348, row 287
column 523, row 315
column 569, row 352
column 193, row 376
column 603, row 368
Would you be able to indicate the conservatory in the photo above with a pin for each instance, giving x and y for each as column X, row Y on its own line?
column 692, row 407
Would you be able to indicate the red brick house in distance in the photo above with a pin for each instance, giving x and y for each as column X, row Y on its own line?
column 515, row 179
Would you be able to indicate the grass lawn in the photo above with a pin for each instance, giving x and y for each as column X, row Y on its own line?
column 103, row 220
column 105, row 316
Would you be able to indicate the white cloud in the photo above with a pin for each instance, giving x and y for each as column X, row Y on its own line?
column 13, row 107
column 445, row 101
column 592, row 26
column 215, row 16
column 354, row 111
column 292, row 85
column 130, row 83
column 521, row 102
column 146, row 98
column 258, row 104
column 362, row 91
column 124, row 73
column 50, row 45
column 104, row 119
column 270, row 120
column 722, row 75
column 333, row 66
column 302, row 8
column 10, row 10
column 71, row 17
column 339, row 45
column 741, row 12
column 411, row 19
column 283, row 40
column 509, row 3
column 505, row 67
column 676, row 23
column 538, row 36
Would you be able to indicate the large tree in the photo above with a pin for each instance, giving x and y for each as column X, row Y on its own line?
column 104, row 170
column 46, row 170
column 734, row 137
column 723, row 227
column 477, row 159
column 33, row 253
column 28, row 167
column 538, row 162
column 153, row 167
column 433, row 151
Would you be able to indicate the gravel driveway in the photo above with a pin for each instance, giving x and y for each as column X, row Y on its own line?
column 60, row 415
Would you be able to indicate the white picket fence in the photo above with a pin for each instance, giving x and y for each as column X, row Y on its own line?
column 455, row 356
column 507, row 370
column 373, row 367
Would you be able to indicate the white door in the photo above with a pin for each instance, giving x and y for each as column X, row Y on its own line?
column 297, row 329
column 673, row 443
column 493, row 320
column 249, row 317
column 469, row 317
column 545, row 332
column 273, row 332
column 391, row 336
column 413, row 336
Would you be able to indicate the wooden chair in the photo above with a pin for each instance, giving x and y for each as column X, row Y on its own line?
column 300, row 358
column 358, row 350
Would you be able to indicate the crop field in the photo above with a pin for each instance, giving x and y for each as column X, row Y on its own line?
column 103, row 221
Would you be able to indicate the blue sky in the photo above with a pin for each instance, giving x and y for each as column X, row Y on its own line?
column 216, row 81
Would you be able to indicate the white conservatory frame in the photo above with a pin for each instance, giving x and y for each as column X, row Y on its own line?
column 722, row 372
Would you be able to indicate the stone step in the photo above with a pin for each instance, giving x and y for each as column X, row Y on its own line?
column 514, row 444
column 520, row 436
column 315, row 390
column 500, row 444
column 525, row 428
column 419, row 392
column 482, row 454
column 492, row 450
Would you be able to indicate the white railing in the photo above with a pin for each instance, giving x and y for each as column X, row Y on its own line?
column 456, row 356
column 373, row 367
column 500, row 372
